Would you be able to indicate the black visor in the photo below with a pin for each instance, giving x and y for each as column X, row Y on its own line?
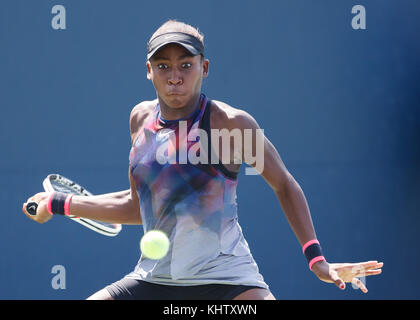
column 189, row 42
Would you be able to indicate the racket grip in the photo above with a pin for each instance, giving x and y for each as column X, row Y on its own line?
column 31, row 208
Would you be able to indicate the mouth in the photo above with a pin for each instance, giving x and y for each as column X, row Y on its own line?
column 175, row 93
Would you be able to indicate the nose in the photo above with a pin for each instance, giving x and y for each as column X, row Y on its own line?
column 175, row 78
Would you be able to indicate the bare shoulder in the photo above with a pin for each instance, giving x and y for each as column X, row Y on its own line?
column 138, row 114
column 142, row 109
column 225, row 116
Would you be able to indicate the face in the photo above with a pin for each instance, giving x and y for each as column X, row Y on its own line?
column 176, row 75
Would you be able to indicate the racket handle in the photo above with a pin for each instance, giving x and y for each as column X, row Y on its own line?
column 31, row 208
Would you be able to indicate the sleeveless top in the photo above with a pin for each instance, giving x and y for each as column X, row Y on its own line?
column 193, row 202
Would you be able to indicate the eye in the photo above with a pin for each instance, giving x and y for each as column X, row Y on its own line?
column 162, row 66
column 186, row 65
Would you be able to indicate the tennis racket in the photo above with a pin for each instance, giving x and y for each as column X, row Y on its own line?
column 56, row 182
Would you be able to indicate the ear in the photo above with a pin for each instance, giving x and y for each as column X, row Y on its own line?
column 206, row 63
column 149, row 70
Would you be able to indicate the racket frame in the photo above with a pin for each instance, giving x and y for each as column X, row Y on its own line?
column 77, row 189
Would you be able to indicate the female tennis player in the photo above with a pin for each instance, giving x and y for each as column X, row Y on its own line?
column 194, row 202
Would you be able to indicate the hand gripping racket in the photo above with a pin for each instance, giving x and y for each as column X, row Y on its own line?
column 56, row 182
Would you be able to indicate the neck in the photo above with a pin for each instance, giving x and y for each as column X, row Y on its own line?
column 169, row 113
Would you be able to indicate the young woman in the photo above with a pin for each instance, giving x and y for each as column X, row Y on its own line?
column 194, row 202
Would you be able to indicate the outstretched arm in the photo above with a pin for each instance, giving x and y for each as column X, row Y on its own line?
column 117, row 207
column 295, row 207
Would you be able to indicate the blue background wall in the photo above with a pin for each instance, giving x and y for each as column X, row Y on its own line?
column 341, row 106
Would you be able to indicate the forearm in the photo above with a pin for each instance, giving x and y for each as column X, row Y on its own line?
column 296, row 210
column 114, row 195
column 116, row 207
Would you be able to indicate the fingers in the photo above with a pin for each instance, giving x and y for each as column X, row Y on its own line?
column 351, row 272
column 359, row 284
column 367, row 269
column 370, row 265
column 40, row 215
column 372, row 272
column 31, row 199
column 337, row 280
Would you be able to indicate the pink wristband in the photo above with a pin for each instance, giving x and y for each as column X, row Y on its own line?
column 315, row 260
column 313, row 253
column 307, row 244
column 49, row 203
column 67, row 205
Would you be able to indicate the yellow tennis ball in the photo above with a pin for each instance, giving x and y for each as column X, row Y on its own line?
column 154, row 244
